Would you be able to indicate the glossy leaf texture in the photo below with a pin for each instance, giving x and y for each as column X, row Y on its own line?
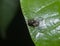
column 48, row 31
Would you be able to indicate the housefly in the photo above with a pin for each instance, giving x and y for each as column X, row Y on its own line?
column 37, row 22
column 33, row 22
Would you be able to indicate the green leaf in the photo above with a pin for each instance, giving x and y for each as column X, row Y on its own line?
column 8, row 9
column 48, row 31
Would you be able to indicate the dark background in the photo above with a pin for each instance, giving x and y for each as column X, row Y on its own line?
column 17, row 32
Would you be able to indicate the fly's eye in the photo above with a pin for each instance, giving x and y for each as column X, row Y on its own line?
column 33, row 23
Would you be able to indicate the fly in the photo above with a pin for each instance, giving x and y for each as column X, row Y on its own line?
column 33, row 22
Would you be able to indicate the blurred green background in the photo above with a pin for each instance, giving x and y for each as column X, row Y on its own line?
column 8, row 10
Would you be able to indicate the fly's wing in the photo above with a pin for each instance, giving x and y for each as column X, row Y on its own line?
column 48, row 31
